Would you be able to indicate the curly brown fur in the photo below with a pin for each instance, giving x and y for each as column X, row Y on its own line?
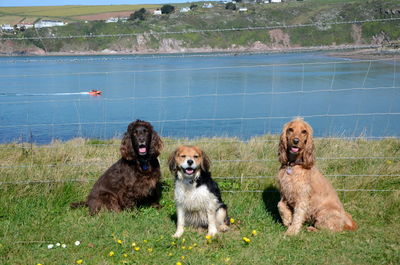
column 134, row 180
column 306, row 195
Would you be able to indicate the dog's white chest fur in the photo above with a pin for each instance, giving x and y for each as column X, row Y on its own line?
column 192, row 198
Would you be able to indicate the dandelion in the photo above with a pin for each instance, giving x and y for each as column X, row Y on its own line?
column 182, row 257
column 209, row 238
column 58, row 244
column 170, row 254
column 119, row 241
column 254, row 232
column 178, row 263
column 125, row 255
column 63, row 246
column 150, row 250
column 190, row 247
column 388, row 162
column 227, row 259
column 79, row 261
column 111, row 253
column 195, row 245
column 50, row 246
column 145, row 241
column 183, row 247
column 173, row 243
column 137, row 248
column 133, row 244
column 39, row 264
column 246, row 239
column 183, row 240
column 232, row 221
column 77, row 243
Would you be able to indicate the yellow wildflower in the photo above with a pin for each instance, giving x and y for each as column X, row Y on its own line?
column 182, row 257
column 173, row 243
column 247, row 240
column 145, row 241
column 208, row 237
column 183, row 247
column 190, row 247
column 125, row 255
column 111, row 253
column 79, row 261
column 170, row 254
column 137, row 248
column 254, row 232
column 150, row 250
column 133, row 244
column 119, row 241
column 227, row 259
column 232, row 221
column 178, row 263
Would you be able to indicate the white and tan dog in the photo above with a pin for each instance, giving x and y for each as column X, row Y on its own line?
column 197, row 197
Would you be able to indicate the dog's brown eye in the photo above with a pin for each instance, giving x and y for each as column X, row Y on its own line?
column 303, row 131
column 196, row 156
column 290, row 130
column 183, row 156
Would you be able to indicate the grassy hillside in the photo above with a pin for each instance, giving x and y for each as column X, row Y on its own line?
column 169, row 33
column 41, row 181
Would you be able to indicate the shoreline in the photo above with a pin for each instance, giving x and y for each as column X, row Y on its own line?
column 345, row 51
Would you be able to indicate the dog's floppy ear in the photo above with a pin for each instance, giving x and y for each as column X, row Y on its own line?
column 205, row 165
column 309, row 149
column 156, row 144
column 126, row 148
column 282, row 149
column 172, row 163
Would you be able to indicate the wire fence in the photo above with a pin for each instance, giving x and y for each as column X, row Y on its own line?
column 345, row 100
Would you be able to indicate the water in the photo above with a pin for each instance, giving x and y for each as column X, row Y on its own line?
column 45, row 98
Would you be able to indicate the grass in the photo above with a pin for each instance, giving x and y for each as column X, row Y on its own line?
column 34, row 215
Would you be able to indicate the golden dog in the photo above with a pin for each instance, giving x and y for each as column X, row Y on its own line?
column 306, row 195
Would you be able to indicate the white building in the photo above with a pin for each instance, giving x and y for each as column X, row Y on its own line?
column 184, row 9
column 112, row 20
column 48, row 23
column 208, row 5
column 243, row 9
column 157, row 12
column 24, row 26
column 276, row 1
column 6, row 27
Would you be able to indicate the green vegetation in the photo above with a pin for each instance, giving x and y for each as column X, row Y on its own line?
column 34, row 215
column 199, row 28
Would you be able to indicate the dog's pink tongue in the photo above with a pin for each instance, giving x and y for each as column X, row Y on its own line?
column 189, row 171
column 295, row 149
column 142, row 149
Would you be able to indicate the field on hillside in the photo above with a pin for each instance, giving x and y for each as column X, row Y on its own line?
column 39, row 182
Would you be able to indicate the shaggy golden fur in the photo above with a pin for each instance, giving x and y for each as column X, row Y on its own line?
column 306, row 195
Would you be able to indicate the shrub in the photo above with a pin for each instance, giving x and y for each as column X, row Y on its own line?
column 167, row 9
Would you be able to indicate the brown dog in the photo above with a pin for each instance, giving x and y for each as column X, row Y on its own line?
column 306, row 195
column 134, row 179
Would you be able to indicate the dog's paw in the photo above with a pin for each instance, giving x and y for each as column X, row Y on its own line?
column 177, row 234
column 312, row 229
column 212, row 232
column 223, row 228
column 292, row 231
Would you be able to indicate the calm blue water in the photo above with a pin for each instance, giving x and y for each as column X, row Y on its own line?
column 44, row 98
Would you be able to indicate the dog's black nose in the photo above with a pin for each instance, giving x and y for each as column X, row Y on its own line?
column 296, row 140
column 190, row 162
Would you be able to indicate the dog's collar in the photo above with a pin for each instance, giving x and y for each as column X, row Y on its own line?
column 144, row 164
column 289, row 166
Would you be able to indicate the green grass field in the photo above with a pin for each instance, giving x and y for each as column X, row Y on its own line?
column 39, row 182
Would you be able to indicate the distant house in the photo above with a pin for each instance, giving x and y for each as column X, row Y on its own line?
column 157, row 12
column 208, row 5
column 6, row 27
column 184, row 9
column 48, row 23
column 112, row 20
column 243, row 9
column 276, row 1
column 23, row 26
